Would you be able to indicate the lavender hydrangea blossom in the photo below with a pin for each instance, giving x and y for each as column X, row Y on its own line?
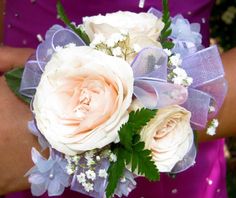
column 185, row 35
column 41, row 139
column 48, row 175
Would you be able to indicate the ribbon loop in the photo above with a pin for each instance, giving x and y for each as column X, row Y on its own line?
column 151, row 62
column 209, row 86
column 204, row 66
column 55, row 36
column 151, row 86
column 30, row 78
column 198, row 103
column 156, row 94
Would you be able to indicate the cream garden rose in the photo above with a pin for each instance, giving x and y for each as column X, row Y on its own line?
column 143, row 29
column 82, row 99
column 168, row 135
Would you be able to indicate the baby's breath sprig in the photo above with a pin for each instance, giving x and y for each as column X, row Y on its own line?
column 118, row 44
column 211, row 130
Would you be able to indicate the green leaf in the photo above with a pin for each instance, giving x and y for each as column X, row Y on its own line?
column 166, row 31
column 130, row 151
column 138, row 119
column 115, row 172
column 136, row 138
column 126, row 135
column 166, row 27
column 62, row 15
column 167, row 44
column 13, row 79
column 139, row 146
column 142, row 162
column 134, row 162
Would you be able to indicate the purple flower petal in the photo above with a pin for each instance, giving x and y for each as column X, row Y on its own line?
column 37, row 179
column 54, row 187
column 38, row 189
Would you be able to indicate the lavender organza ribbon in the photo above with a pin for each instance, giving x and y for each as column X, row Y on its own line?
column 150, row 80
column 56, row 36
column 208, row 88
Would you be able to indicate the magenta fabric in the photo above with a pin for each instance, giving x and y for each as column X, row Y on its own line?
column 24, row 19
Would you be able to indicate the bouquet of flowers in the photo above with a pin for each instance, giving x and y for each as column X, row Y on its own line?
column 117, row 97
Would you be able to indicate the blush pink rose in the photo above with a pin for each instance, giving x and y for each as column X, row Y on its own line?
column 82, row 99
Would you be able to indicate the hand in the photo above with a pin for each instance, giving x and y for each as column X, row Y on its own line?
column 11, row 57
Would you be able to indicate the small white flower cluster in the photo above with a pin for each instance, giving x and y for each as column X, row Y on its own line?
column 177, row 75
column 181, row 77
column 212, row 109
column 72, row 163
column 112, row 157
column 116, row 45
column 83, row 177
column 59, row 48
column 175, row 60
column 86, row 164
column 89, row 156
column 211, row 130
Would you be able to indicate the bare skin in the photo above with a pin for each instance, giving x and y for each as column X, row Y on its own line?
column 15, row 141
column 11, row 57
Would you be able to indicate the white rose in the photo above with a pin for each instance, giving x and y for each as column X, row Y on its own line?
column 82, row 99
column 168, row 135
column 143, row 28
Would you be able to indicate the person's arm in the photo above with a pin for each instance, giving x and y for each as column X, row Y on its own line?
column 11, row 57
column 15, row 141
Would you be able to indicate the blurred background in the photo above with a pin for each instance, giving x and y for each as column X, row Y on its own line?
column 223, row 32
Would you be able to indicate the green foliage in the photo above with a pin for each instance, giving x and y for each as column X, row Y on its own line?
column 166, row 31
column 142, row 162
column 62, row 15
column 115, row 172
column 131, row 151
column 137, row 120
column 13, row 79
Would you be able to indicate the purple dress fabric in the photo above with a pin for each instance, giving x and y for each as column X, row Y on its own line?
column 24, row 19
